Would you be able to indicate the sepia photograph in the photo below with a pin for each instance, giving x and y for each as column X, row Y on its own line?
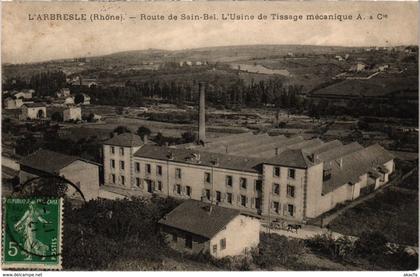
column 210, row 136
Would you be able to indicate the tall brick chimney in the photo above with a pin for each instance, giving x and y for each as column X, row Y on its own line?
column 202, row 114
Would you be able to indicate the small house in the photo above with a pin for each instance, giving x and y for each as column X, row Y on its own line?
column 197, row 227
column 82, row 173
column 72, row 113
column 33, row 111
column 12, row 103
column 64, row 92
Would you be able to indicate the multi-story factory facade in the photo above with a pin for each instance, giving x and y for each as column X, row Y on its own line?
column 300, row 179
column 270, row 176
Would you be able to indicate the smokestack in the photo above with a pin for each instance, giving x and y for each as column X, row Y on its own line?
column 202, row 114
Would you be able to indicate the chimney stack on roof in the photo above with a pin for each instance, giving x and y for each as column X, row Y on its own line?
column 202, row 114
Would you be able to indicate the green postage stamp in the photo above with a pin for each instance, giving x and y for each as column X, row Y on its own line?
column 32, row 229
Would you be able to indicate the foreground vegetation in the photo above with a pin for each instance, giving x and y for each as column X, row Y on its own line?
column 393, row 213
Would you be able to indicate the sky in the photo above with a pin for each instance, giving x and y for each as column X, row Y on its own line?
column 25, row 40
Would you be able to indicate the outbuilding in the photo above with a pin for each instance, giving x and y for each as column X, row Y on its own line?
column 198, row 227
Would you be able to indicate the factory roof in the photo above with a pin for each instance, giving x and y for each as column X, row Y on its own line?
column 198, row 218
column 291, row 158
column 125, row 140
column 199, row 157
column 355, row 164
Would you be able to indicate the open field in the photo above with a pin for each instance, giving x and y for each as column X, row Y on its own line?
column 393, row 213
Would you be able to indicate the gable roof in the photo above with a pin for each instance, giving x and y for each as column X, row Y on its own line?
column 125, row 140
column 183, row 155
column 195, row 217
column 49, row 161
column 34, row 105
column 354, row 165
column 339, row 151
column 291, row 158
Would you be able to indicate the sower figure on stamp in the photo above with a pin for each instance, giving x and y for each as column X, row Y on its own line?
column 26, row 226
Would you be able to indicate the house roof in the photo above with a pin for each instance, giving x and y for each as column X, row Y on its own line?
column 49, row 161
column 291, row 158
column 125, row 140
column 195, row 217
column 34, row 105
column 184, row 155
column 339, row 151
column 354, row 165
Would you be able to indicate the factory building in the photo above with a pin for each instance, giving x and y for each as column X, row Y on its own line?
column 269, row 176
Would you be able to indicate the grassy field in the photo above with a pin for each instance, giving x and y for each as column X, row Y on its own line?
column 394, row 213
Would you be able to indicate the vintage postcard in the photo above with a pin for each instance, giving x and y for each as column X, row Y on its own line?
column 210, row 136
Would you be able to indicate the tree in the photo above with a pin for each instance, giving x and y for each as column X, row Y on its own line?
column 143, row 131
column 121, row 129
column 79, row 98
column 57, row 116
column 189, row 137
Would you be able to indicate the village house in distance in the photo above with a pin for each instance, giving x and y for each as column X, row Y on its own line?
column 273, row 177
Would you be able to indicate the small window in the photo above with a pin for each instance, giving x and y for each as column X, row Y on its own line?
column 243, row 200
column 258, row 185
column 189, row 191
column 222, row 244
column 229, row 197
column 137, row 167
column 113, row 178
column 122, row 165
column 291, row 210
column 138, row 182
column 292, row 173
column 242, row 182
column 208, row 194
column 174, row 238
column 188, row 241
column 276, row 206
column 215, row 248
column 178, row 173
column 207, row 177
column 122, row 180
column 178, row 189
column 159, row 185
column 229, row 181
column 276, row 189
column 218, row 196
column 257, row 203
column 290, row 191
column 121, row 151
column 112, row 149
column 148, row 168
column 112, row 163
column 159, row 170
column 276, row 171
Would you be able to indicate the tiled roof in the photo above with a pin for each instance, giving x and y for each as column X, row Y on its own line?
column 195, row 217
column 354, row 165
column 47, row 161
column 291, row 158
column 183, row 155
column 317, row 149
column 339, row 151
column 34, row 105
column 125, row 140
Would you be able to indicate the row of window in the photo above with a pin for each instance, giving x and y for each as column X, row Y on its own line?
column 121, row 150
column 290, row 190
column 228, row 197
column 243, row 182
column 122, row 164
column 222, row 245
column 291, row 173
column 288, row 209
column 114, row 179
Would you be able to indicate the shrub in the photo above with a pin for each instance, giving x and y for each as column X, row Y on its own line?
column 371, row 243
column 275, row 249
column 325, row 244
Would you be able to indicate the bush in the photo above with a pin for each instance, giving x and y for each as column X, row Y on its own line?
column 103, row 231
column 325, row 244
column 371, row 244
column 275, row 249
